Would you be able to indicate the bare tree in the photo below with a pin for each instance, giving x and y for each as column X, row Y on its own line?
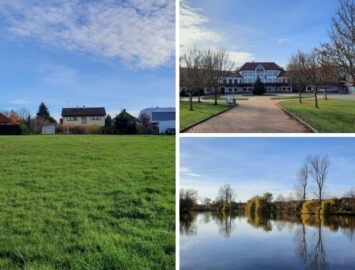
column 226, row 194
column 318, row 169
column 188, row 199
column 268, row 196
column 350, row 193
column 329, row 71
column 297, row 73
column 190, row 72
column 314, row 74
column 341, row 48
column 216, row 64
column 302, row 182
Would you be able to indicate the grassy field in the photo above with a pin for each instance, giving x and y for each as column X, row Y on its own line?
column 223, row 98
column 334, row 115
column 87, row 202
column 291, row 96
column 201, row 111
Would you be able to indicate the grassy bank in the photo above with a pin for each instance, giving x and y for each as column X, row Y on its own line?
column 333, row 115
column 291, row 96
column 201, row 110
column 87, row 202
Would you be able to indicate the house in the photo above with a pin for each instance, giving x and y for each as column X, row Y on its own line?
column 241, row 81
column 160, row 118
column 4, row 120
column 83, row 116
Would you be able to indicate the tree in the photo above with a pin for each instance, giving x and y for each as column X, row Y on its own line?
column 108, row 121
column 226, row 194
column 258, row 87
column 188, row 199
column 43, row 114
column 14, row 119
column 350, row 193
column 280, row 198
column 302, row 182
column 341, row 48
column 318, row 169
column 190, row 72
column 268, row 197
column 314, row 74
column 329, row 71
column 124, row 123
column 215, row 65
column 296, row 70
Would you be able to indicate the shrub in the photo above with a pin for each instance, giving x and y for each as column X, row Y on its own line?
column 310, row 207
column 258, row 87
column 10, row 130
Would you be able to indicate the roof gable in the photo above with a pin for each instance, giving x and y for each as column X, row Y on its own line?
column 4, row 119
column 265, row 65
column 83, row 111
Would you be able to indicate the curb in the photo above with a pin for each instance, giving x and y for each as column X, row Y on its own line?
column 208, row 118
column 292, row 115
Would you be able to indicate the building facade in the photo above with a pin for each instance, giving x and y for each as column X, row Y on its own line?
column 83, row 116
column 272, row 75
column 162, row 118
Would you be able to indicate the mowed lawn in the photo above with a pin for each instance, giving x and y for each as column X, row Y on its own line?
column 201, row 110
column 87, row 202
column 333, row 115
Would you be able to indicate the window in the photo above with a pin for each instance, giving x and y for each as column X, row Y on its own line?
column 230, row 90
column 83, row 120
column 95, row 118
column 224, row 81
column 230, row 80
column 235, row 81
column 71, row 118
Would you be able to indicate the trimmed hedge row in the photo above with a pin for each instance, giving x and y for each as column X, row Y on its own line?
column 10, row 130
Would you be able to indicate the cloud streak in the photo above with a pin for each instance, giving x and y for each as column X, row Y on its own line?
column 140, row 33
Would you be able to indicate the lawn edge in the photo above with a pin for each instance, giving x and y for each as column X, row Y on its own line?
column 204, row 120
column 292, row 115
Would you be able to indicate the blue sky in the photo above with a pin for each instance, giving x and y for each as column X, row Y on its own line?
column 117, row 54
column 256, row 29
column 257, row 165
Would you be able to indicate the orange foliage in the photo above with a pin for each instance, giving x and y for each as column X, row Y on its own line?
column 14, row 118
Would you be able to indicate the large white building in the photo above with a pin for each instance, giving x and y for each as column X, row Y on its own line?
column 162, row 118
column 242, row 80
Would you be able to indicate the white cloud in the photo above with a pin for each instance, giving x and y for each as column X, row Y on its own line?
column 240, row 58
column 140, row 32
column 283, row 40
column 18, row 101
column 188, row 172
column 193, row 28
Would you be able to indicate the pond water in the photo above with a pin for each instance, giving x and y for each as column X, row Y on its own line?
column 215, row 241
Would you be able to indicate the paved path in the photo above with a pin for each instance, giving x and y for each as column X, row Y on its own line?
column 256, row 115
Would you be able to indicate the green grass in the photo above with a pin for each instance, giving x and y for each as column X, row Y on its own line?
column 201, row 111
column 334, row 115
column 223, row 98
column 87, row 202
column 291, row 96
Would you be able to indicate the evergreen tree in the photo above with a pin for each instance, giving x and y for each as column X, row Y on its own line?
column 108, row 121
column 258, row 87
column 124, row 123
column 43, row 113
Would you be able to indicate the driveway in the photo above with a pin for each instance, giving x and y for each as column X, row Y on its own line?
column 256, row 115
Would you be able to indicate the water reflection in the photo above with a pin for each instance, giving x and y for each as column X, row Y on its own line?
column 306, row 231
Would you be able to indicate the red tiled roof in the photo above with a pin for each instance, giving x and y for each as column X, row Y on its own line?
column 4, row 119
column 265, row 65
column 83, row 111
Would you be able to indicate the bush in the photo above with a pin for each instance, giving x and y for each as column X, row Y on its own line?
column 258, row 87
column 311, row 207
column 10, row 130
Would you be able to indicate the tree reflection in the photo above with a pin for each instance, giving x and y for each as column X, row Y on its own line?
column 188, row 223
column 225, row 223
column 317, row 252
column 259, row 220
